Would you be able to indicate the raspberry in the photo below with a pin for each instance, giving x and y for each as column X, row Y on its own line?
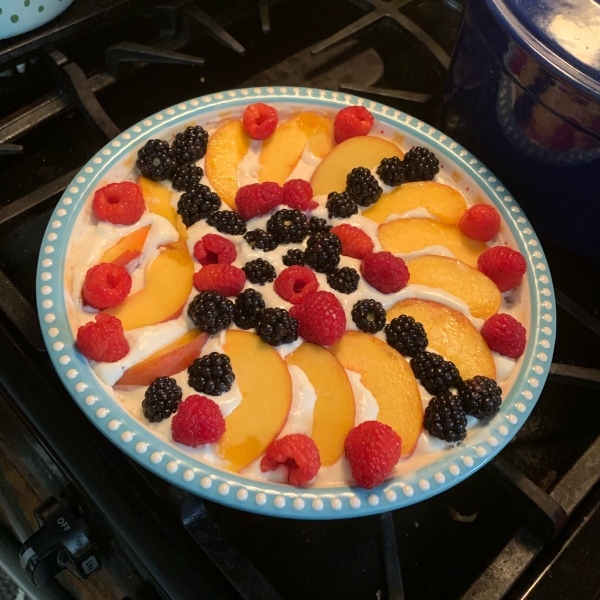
column 385, row 272
column 505, row 335
column 321, row 318
column 103, row 340
column 480, row 222
column 351, row 122
column 503, row 265
column 372, row 449
column 119, row 203
column 106, row 285
column 355, row 242
column 258, row 199
column 197, row 422
column 225, row 279
column 260, row 121
column 298, row 453
column 298, row 194
column 214, row 249
column 295, row 283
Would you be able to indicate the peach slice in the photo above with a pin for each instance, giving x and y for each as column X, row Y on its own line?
column 127, row 248
column 172, row 359
column 451, row 334
column 266, row 387
column 226, row 148
column 387, row 375
column 440, row 200
column 333, row 415
column 412, row 234
column 471, row 286
column 362, row 151
column 158, row 199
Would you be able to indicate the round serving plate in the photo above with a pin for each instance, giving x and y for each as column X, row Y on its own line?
column 171, row 462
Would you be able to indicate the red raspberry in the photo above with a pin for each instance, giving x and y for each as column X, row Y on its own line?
column 503, row 265
column 321, row 318
column 198, row 421
column 372, row 449
column 119, row 203
column 385, row 272
column 298, row 453
column 355, row 242
column 298, row 194
column 480, row 222
column 103, row 340
column 351, row 122
column 260, row 121
column 258, row 199
column 505, row 335
column 225, row 279
column 214, row 249
column 105, row 285
column 296, row 283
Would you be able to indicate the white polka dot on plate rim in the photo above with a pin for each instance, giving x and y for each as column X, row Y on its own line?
column 101, row 413
column 188, row 475
column 242, row 494
column 172, row 466
column 317, row 504
column 298, row 504
column 355, row 502
column 439, row 477
column 424, row 484
column 261, row 498
column 114, row 425
column 468, row 461
column 156, row 457
column 141, row 447
column 223, row 489
column 127, row 436
column 391, row 496
column 279, row 502
column 454, row 470
column 336, row 504
column 373, row 500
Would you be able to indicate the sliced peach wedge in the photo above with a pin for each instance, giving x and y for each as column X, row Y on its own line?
column 158, row 201
column 127, row 248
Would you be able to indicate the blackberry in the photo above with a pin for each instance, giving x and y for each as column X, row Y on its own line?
column 344, row 280
column 480, row 396
column 196, row 204
column 161, row 399
column 406, row 335
column 293, row 257
column 249, row 306
column 186, row 177
column 211, row 374
column 362, row 187
column 288, row 226
column 445, row 418
column 156, row 160
column 211, row 312
column 369, row 315
column 434, row 373
column 316, row 225
column 421, row 164
column 392, row 171
column 340, row 205
column 259, row 239
column 276, row 326
column 190, row 145
column 259, row 271
column 227, row 221
column 322, row 252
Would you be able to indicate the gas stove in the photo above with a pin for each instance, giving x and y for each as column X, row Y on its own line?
column 525, row 526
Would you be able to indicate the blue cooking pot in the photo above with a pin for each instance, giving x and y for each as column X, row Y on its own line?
column 19, row 16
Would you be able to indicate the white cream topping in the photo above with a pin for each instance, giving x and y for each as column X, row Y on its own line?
column 414, row 213
column 504, row 367
column 249, row 165
column 306, row 165
column 436, row 250
column 367, row 408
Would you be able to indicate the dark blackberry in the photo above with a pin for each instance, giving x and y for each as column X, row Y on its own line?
column 259, row 271
column 156, row 160
column 421, row 164
column 199, row 203
column 406, row 335
column 276, row 326
column 190, row 145
column 316, row 225
column 227, row 221
column 362, row 187
column 186, row 177
column 434, row 373
column 249, row 306
column 323, row 252
column 259, row 239
column 344, row 280
column 392, row 171
column 340, row 205
column 445, row 418
column 161, row 399
column 211, row 374
column 480, row 396
column 288, row 226
column 211, row 312
column 294, row 257
column 369, row 315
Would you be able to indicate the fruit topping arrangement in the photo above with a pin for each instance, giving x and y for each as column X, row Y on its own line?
column 279, row 322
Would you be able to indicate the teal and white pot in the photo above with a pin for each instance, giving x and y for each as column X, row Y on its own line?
column 19, row 16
